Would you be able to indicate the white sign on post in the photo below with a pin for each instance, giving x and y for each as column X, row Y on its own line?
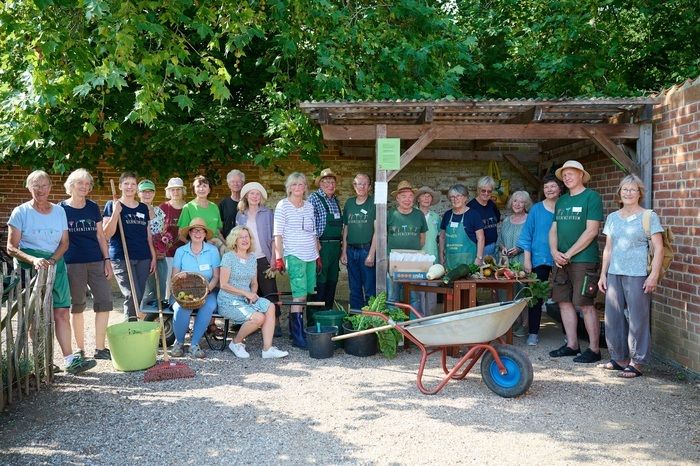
column 381, row 190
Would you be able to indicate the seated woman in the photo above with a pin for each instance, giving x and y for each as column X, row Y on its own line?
column 238, row 299
column 203, row 258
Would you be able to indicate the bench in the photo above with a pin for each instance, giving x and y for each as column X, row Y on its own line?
column 214, row 342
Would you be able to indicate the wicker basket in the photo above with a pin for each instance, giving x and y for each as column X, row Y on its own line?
column 190, row 283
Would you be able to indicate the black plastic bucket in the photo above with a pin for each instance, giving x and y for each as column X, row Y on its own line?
column 330, row 318
column 319, row 341
column 362, row 346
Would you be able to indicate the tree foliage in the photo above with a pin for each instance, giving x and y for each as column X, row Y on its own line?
column 171, row 86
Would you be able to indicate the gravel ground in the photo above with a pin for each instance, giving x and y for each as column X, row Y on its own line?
column 349, row 410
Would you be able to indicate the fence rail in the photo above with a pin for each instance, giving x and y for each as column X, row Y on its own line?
column 26, row 332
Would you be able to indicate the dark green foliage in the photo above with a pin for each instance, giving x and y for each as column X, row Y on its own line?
column 173, row 86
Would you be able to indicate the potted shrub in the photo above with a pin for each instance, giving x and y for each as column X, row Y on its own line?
column 366, row 345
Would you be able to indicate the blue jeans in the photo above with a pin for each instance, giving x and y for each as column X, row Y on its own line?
column 362, row 279
column 181, row 321
column 394, row 292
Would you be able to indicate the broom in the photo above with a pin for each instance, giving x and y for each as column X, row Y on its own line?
column 166, row 369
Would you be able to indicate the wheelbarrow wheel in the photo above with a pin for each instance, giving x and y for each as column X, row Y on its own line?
column 518, row 376
column 167, row 325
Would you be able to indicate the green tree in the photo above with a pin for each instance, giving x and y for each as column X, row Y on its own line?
column 172, row 86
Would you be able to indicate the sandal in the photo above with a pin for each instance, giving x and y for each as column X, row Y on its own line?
column 630, row 372
column 611, row 365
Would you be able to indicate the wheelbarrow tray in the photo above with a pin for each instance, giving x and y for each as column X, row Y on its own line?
column 466, row 326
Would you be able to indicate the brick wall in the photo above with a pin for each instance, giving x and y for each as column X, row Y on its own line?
column 676, row 160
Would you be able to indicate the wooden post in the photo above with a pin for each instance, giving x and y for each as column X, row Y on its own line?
column 380, row 176
column 644, row 160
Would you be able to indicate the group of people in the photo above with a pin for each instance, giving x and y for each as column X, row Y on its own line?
column 239, row 245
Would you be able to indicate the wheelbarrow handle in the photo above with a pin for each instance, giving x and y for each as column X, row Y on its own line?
column 362, row 332
column 406, row 307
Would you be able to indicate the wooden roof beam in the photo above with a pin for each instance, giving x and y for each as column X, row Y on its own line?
column 522, row 169
column 528, row 115
column 494, row 131
column 415, row 149
column 426, row 116
column 445, row 154
column 610, row 149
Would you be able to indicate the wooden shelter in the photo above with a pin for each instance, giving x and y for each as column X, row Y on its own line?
column 480, row 129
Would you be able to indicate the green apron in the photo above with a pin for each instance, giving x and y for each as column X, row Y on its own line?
column 61, row 289
column 330, row 245
column 459, row 249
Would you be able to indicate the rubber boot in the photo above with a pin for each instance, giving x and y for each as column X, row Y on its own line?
column 297, row 333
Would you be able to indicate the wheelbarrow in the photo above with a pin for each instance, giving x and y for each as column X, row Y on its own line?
column 505, row 369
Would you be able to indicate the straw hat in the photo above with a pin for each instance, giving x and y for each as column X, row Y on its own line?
column 251, row 186
column 434, row 194
column 403, row 186
column 146, row 185
column 573, row 164
column 326, row 173
column 196, row 222
column 175, row 183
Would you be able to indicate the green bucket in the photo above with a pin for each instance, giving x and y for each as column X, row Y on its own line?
column 134, row 345
column 330, row 318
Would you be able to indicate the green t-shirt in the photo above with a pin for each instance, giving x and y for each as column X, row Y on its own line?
column 210, row 215
column 571, row 214
column 359, row 220
column 403, row 231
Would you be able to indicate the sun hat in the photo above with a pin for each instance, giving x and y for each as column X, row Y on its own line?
column 147, row 185
column 403, row 186
column 196, row 222
column 251, row 186
column 434, row 194
column 326, row 173
column 573, row 164
column 175, row 183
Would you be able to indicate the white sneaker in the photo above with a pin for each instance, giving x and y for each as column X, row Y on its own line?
column 273, row 352
column 239, row 350
column 533, row 339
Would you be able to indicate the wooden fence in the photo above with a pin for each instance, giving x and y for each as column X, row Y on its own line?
column 26, row 333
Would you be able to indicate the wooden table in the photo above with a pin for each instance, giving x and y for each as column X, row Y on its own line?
column 461, row 294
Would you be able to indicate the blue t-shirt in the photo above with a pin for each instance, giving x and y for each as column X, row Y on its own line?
column 39, row 231
column 490, row 215
column 82, row 233
column 629, row 243
column 534, row 236
column 472, row 222
column 204, row 263
column 135, row 223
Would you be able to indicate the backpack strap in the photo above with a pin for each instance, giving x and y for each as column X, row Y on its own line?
column 646, row 223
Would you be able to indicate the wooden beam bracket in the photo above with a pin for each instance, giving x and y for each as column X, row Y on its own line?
column 610, row 149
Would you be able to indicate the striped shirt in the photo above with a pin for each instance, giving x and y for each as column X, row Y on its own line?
column 297, row 228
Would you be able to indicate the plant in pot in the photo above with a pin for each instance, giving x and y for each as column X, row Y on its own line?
column 388, row 339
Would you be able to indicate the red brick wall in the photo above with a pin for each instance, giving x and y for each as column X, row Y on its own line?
column 676, row 160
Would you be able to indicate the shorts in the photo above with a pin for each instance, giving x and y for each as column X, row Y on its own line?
column 61, row 289
column 90, row 274
column 302, row 276
column 568, row 280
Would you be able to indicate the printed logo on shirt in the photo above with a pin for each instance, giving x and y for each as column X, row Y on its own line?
column 82, row 225
column 403, row 230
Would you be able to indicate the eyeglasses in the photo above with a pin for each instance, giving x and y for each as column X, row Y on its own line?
column 486, row 191
column 360, row 185
column 629, row 190
column 197, row 230
column 455, row 196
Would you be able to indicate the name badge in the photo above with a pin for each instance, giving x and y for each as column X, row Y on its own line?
column 140, row 215
column 203, row 267
column 631, row 217
column 454, row 224
column 363, row 211
column 577, row 210
column 336, row 216
column 242, row 261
